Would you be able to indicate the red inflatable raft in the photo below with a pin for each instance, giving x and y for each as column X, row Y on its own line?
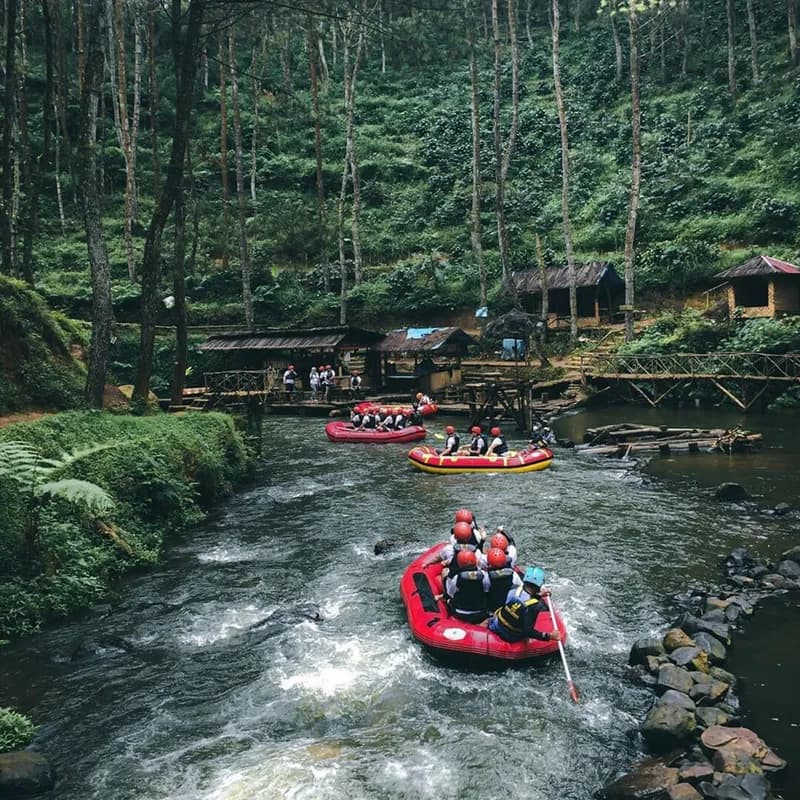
column 529, row 460
column 428, row 410
column 340, row 431
column 449, row 637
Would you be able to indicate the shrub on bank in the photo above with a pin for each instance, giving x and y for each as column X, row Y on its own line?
column 16, row 730
column 161, row 473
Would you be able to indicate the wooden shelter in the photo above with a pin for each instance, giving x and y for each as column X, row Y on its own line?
column 763, row 287
column 599, row 291
column 423, row 344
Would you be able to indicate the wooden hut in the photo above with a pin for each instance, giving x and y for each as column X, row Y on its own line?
column 424, row 344
column 763, row 287
column 599, row 293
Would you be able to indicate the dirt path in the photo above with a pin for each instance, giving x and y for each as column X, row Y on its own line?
column 22, row 416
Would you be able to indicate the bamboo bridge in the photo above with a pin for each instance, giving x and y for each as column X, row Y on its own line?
column 743, row 378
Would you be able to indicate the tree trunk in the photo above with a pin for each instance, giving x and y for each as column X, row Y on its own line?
column 62, row 99
column 477, row 232
column 102, row 314
column 383, row 43
column 528, row 33
column 791, row 13
column 499, row 183
column 636, row 167
column 223, row 153
column 617, row 48
column 751, row 25
column 562, row 121
column 153, row 92
column 29, row 165
column 6, row 221
column 322, row 61
column 179, row 293
column 312, row 74
column 185, row 51
column 731, row 50
column 254, row 72
column 241, row 200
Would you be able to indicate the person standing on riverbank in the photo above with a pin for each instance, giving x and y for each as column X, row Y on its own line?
column 289, row 377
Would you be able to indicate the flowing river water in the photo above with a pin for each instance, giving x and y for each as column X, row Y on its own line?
column 212, row 677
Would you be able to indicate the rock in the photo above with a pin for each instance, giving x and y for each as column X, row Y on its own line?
column 649, row 780
column 742, row 580
column 690, row 657
column 772, row 762
column 705, row 694
column 793, row 554
column 696, row 772
column 677, row 699
column 733, row 612
column 701, row 677
column 716, row 602
column 707, row 716
column 743, row 603
column 639, row 673
column 683, row 791
column 672, row 677
column 719, row 736
column 782, row 509
column 675, row 638
column 666, row 726
column 653, row 663
column 736, row 758
column 711, row 646
column 642, row 648
column 721, row 630
column 789, row 569
column 731, row 492
column 723, row 675
column 24, row 774
column 748, row 787
column 758, row 571
column 382, row 545
column 775, row 580
column 714, row 615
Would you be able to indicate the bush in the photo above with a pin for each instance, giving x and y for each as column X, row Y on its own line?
column 16, row 730
column 765, row 336
column 684, row 332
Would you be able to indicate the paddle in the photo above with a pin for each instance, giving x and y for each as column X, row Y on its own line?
column 573, row 691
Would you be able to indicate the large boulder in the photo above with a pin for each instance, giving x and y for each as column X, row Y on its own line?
column 712, row 646
column 644, row 647
column 24, row 774
column 675, row 638
column 688, row 657
column 677, row 699
column 731, row 493
column 672, row 677
column 793, row 554
column 789, row 569
column 667, row 726
column 683, row 791
column 647, row 781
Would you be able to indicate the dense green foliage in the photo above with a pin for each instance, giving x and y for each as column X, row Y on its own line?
column 719, row 174
column 36, row 367
column 161, row 472
column 16, row 730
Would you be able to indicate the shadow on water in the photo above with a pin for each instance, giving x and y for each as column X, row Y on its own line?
column 213, row 678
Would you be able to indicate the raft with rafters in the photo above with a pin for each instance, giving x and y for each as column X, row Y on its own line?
column 448, row 637
column 340, row 431
column 531, row 459
column 427, row 410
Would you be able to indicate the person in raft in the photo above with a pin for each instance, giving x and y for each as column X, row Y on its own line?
column 467, row 589
column 400, row 420
column 422, row 400
column 355, row 419
column 516, row 618
column 502, row 578
column 368, row 421
column 477, row 444
column 505, row 542
column 498, row 446
column 289, row 377
column 451, row 442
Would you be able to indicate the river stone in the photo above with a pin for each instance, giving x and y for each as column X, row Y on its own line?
column 758, row 571
column 740, row 557
column 774, row 580
column 708, row 693
column 672, row 677
column 690, row 657
column 696, row 772
column 653, row 663
column 716, row 602
column 644, row 647
column 649, row 780
column 719, row 736
column 711, row 715
column 742, row 580
column 720, row 674
column 24, row 774
column 683, row 791
column 701, row 677
column 789, row 569
column 677, row 699
column 732, row 613
column 718, row 629
column 675, row 638
column 743, row 603
column 712, row 646
column 736, row 758
column 731, row 492
column 382, row 545
column 666, row 726
column 793, row 554
column 714, row 615
column 748, row 787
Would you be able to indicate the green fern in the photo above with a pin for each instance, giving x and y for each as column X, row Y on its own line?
column 96, row 499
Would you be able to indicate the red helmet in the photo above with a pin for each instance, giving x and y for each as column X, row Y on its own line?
column 462, row 531
column 449, row 429
column 464, row 515
column 499, row 541
column 496, row 431
column 466, row 558
column 475, row 429
column 496, row 558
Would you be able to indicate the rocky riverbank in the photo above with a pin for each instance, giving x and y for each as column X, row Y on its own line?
column 699, row 749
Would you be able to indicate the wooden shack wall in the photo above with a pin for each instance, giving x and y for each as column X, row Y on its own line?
column 785, row 294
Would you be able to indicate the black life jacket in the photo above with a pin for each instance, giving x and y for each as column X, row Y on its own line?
column 456, row 439
column 355, row 420
column 369, row 421
column 510, row 616
column 479, row 444
column 502, row 447
column 470, row 595
column 501, row 582
column 457, row 548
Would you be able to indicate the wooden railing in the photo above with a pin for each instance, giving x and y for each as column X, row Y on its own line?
column 753, row 366
column 256, row 381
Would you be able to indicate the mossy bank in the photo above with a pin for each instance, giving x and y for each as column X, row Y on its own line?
column 102, row 494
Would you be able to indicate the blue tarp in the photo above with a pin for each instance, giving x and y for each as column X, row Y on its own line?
column 419, row 333
column 513, row 349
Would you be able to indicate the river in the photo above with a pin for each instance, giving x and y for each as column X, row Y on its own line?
column 211, row 678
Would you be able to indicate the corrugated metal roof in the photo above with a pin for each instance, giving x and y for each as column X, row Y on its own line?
column 293, row 339
column 528, row 281
column 760, row 265
column 419, row 340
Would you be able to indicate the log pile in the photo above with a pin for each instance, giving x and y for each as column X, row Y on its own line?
column 628, row 439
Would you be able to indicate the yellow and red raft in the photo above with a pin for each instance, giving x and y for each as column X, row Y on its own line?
column 529, row 460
